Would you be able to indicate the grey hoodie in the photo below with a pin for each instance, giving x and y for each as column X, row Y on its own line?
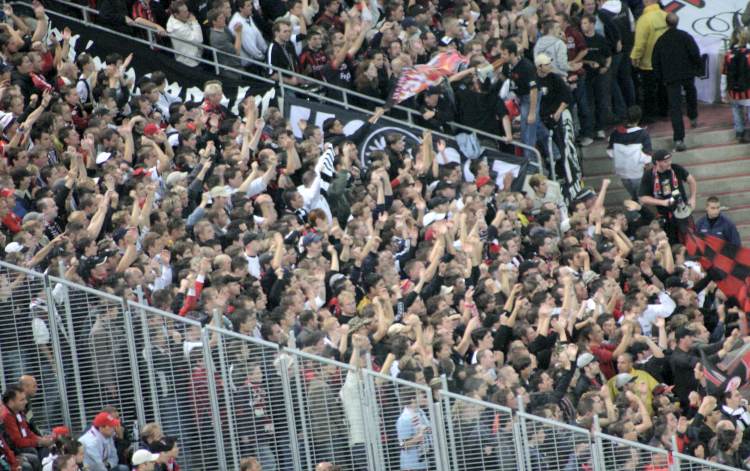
column 556, row 49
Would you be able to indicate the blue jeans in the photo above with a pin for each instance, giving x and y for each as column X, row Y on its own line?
column 528, row 132
column 741, row 117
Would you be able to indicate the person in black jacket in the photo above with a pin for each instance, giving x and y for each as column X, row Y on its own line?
column 436, row 110
column 677, row 61
column 114, row 14
column 333, row 129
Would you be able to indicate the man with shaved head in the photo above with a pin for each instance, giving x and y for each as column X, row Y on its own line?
column 28, row 385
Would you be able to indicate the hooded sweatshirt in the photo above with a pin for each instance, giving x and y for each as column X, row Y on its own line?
column 556, row 49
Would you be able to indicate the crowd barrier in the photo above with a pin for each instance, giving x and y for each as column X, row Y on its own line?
column 228, row 396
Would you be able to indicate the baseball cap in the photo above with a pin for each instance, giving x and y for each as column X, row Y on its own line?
column 102, row 157
column 661, row 154
column 483, row 180
column 415, row 10
column 358, row 322
column 144, row 456
column 542, row 59
column 6, row 192
column 622, row 379
column 584, row 359
column 105, row 419
column 408, row 22
column 310, row 238
column 437, row 201
column 150, row 129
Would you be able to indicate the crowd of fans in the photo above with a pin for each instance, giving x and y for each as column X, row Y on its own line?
column 427, row 265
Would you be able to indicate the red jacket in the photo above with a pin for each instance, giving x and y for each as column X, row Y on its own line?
column 18, row 430
column 8, row 454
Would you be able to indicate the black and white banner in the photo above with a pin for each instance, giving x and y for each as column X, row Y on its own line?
column 315, row 113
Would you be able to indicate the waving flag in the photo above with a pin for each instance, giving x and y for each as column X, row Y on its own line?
column 414, row 80
column 728, row 265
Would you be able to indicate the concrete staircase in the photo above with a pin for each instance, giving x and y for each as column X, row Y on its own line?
column 718, row 162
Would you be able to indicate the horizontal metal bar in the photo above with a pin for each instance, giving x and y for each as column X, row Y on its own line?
column 552, row 423
column 247, row 338
column 92, row 291
column 158, row 312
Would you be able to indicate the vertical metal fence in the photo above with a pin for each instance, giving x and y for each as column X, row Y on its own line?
column 226, row 396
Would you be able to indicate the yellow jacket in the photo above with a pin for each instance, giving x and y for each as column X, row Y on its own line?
column 649, row 27
column 640, row 376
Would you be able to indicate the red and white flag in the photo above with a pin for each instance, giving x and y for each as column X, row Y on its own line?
column 414, row 80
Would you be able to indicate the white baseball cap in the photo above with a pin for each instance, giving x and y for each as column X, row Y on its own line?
column 144, row 456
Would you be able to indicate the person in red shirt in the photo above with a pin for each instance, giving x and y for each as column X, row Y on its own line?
column 8, row 219
column 7, row 454
column 604, row 352
column 18, row 430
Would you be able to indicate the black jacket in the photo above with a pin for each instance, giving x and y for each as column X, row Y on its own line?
column 676, row 57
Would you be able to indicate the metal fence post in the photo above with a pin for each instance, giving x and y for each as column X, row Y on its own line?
column 127, row 319
column 149, row 357
column 214, row 399
column 369, row 400
column 290, row 409
column 227, row 397
column 451, row 438
column 597, row 449
column 216, row 61
column 150, row 36
column 57, row 352
column 73, row 350
column 302, row 412
column 675, row 461
column 526, row 454
column 518, row 442
column 438, row 436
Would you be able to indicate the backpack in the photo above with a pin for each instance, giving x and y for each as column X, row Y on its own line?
column 738, row 72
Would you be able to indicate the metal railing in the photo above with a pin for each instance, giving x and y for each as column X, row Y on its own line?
column 348, row 96
column 228, row 396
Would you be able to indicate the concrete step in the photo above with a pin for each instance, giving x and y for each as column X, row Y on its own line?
column 603, row 165
column 694, row 138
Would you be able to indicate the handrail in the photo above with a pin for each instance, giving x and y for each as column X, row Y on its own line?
column 86, row 11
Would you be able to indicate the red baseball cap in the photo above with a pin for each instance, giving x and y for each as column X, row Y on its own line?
column 150, row 129
column 483, row 180
column 105, row 419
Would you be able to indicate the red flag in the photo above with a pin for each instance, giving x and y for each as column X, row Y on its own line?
column 414, row 80
column 728, row 265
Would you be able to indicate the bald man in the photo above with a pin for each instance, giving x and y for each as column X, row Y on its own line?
column 28, row 385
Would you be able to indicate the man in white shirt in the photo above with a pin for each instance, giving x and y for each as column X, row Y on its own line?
column 253, row 44
column 186, row 34
column 251, row 253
